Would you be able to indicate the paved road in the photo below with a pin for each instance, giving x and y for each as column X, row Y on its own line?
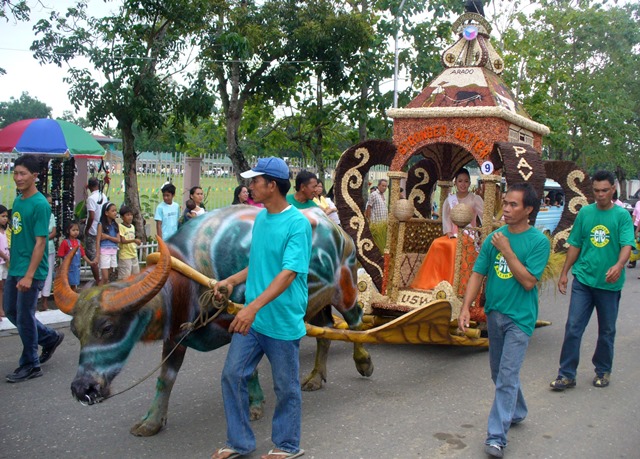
column 421, row 402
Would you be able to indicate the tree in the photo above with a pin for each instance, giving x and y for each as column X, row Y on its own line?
column 136, row 52
column 575, row 65
column 24, row 108
column 18, row 9
column 247, row 52
column 329, row 40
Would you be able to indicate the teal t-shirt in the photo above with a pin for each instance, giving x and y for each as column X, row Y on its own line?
column 30, row 219
column 600, row 235
column 280, row 241
column 168, row 215
column 503, row 292
column 298, row 205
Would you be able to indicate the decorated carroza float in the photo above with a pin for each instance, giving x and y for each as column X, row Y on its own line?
column 465, row 116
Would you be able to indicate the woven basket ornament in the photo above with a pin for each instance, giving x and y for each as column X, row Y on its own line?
column 403, row 210
column 461, row 215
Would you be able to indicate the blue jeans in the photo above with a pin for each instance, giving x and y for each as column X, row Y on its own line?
column 245, row 353
column 20, row 308
column 507, row 348
column 583, row 301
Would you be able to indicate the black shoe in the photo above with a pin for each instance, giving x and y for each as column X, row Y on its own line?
column 47, row 352
column 24, row 373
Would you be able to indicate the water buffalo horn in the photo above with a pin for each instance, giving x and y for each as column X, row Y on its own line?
column 138, row 294
column 64, row 296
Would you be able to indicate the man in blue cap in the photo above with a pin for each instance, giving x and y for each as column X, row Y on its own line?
column 272, row 321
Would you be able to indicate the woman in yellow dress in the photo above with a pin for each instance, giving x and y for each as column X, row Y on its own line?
column 439, row 263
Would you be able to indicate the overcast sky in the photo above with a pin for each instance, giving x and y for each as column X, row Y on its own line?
column 24, row 74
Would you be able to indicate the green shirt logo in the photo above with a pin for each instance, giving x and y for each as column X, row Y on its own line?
column 600, row 236
column 501, row 267
column 16, row 222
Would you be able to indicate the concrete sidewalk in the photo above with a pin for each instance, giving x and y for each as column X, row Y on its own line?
column 50, row 317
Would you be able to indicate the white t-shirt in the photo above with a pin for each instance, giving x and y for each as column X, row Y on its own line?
column 95, row 201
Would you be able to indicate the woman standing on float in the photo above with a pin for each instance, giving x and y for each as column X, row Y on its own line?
column 439, row 263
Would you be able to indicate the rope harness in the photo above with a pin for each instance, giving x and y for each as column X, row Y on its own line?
column 210, row 309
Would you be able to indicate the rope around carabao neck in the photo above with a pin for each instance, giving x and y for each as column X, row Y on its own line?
column 204, row 318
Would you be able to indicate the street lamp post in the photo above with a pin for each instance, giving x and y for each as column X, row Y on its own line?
column 395, row 70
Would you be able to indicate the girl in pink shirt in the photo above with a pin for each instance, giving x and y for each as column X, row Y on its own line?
column 4, row 253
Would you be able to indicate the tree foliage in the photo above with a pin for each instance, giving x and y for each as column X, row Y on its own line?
column 19, row 10
column 23, row 108
column 135, row 55
column 575, row 65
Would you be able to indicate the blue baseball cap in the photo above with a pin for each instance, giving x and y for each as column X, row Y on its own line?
column 275, row 167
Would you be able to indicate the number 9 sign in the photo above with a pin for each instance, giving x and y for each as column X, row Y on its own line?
column 487, row 168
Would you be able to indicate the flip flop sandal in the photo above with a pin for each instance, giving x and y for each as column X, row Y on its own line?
column 285, row 455
column 233, row 453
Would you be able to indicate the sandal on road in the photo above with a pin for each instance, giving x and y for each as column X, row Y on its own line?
column 226, row 453
column 284, row 454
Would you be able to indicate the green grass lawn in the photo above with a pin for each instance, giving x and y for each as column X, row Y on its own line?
column 218, row 191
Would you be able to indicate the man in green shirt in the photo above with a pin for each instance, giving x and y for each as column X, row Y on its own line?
column 599, row 246
column 512, row 258
column 30, row 222
column 306, row 183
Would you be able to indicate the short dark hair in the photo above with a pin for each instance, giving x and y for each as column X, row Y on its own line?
column 529, row 195
column 190, row 204
column 382, row 180
column 284, row 185
column 194, row 188
column 93, row 183
column 169, row 188
column 303, row 178
column 29, row 162
column 125, row 210
column 603, row 175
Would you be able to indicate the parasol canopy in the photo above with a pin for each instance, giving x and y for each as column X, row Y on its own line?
column 45, row 136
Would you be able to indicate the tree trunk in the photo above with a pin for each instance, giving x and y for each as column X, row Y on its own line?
column 622, row 178
column 240, row 163
column 316, row 147
column 362, row 118
column 364, row 93
column 234, row 116
column 131, row 196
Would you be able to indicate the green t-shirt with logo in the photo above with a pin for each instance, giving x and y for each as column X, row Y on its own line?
column 503, row 292
column 29, row 219
column 300, row 205
column 600, row 235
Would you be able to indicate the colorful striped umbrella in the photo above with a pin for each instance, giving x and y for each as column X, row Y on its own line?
column 49, row 137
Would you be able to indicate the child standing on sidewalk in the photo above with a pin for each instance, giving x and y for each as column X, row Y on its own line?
column 4, row 253
column 107, row 241
column 72, row 231
column 128, row 257
column 167, row 213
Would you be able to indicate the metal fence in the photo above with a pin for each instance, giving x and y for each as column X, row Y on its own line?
column 154, row 169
